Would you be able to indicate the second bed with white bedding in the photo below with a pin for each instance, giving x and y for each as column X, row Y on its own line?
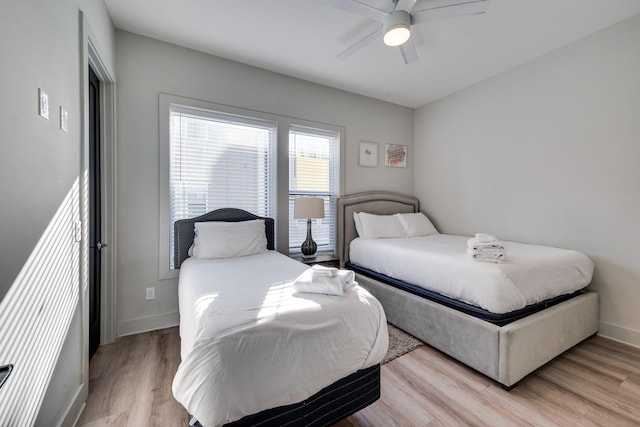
column 440, row 263
column 249, row 342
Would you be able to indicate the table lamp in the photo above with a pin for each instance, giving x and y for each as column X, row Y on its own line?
column 308, row 208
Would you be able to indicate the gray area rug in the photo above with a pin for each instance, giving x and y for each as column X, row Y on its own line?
column 400, row 343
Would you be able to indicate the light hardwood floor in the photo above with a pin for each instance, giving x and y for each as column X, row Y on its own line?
column 597, row 383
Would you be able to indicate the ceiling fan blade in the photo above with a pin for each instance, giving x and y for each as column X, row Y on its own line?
column 472, row 7
column 357, row 7
column 376, row 35
column 406, row 5
column 408, row 51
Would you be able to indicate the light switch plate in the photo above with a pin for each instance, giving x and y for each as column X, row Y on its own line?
column 77, row 231
column 43, row 104
column 63, row 119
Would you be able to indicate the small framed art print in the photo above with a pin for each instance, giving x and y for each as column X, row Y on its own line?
column 368, row 154
column 395, row 155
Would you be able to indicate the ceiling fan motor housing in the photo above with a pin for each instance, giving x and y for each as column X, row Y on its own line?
column 396, row 28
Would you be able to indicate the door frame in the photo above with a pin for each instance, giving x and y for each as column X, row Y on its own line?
column 93, row 58
column 90, row 53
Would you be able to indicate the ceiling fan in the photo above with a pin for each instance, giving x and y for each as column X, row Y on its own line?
column 396, row 24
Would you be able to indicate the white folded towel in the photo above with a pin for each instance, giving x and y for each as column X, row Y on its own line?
column 314, row 283
column 483, row 242
column 486, row 252
column 484, row 237
column 486, row 248
column 496, row 259
column 322, row 271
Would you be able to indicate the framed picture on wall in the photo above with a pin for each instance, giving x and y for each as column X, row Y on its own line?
column 368, row 154
column 395, row 155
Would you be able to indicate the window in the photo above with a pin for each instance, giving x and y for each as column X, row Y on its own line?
column 216, row 156
column 219, row 160
column 313, row 171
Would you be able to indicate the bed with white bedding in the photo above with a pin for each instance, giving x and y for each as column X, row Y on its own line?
column 504, row 320
column 439, row 262
column 253, row 349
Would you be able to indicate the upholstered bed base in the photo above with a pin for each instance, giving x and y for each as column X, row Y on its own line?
column 504, row 353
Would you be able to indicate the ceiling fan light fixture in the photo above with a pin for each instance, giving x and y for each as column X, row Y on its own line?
column 396, row 28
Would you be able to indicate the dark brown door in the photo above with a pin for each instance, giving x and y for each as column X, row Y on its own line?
column 95, row 238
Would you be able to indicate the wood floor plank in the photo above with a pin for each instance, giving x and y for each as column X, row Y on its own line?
column 597, row 383
column 444, row 363
column 404, row 406
column 601, row 357
column 131, row 380
column 552, row 401
column 604, row 397
column 446, row 398
column 526, row 404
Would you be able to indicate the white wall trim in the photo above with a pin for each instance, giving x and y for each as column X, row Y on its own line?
column 148, row 323
column 75, row 408
column 619, row 333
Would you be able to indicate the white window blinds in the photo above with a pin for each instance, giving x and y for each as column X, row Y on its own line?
column 313, row 171
column 219, row 160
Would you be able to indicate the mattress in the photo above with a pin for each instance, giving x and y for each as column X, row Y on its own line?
column 250, row 343
column 439, row 263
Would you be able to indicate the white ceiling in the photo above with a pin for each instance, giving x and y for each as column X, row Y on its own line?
column 301, row 38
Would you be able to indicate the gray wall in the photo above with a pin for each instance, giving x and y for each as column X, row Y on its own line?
column 146, row 67
column 39, row 47
column 548, row 153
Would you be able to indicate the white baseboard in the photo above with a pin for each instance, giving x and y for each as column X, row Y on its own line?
column 620, row 334
column 76, row 406
column 148, row 323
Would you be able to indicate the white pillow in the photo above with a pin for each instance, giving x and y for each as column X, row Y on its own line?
column 220, row 239
column 380, row 226
column 356, row 220
column 416, row 224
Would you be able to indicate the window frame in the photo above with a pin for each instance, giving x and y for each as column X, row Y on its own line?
column 332, row 194
column 192, row 179
column 283, row 123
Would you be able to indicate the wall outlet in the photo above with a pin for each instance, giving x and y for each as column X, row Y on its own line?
column 151, row 293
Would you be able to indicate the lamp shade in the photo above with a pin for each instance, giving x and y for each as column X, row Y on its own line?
column 308, row 207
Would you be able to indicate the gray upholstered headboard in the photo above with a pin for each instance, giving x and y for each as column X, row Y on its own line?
column 375, row 202
column 183, row 230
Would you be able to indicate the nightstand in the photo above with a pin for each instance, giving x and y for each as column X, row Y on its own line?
column 327, row 260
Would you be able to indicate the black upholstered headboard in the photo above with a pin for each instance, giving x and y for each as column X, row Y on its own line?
column 183, row 230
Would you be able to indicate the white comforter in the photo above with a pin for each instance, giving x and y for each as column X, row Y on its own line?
column 440, row 263
column 250, row 343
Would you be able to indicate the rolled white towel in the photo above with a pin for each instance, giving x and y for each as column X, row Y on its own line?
column 322, row 271
column 308, row 282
